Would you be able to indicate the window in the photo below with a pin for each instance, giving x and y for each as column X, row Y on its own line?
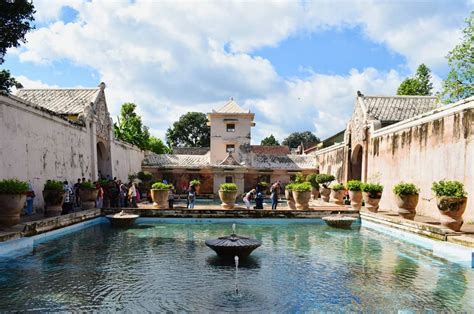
column 230, row 127
column 228, row 179
column 230, row 148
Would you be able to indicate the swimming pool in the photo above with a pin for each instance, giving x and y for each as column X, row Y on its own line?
column 163, row 265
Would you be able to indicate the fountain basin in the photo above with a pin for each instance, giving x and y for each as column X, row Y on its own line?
column 122, row 219
column 339, row 221
column 233, row 245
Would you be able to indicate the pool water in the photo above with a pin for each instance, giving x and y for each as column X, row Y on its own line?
column 165, row 266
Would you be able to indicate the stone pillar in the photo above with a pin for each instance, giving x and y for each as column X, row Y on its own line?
column 93, row 141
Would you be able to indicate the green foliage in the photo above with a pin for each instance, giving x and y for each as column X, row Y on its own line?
column 144, row 176
column 449, row 188
column 313, row 179
column 87, row 185
column 324, row 178
column 195, row 182
column 372, row 188
column 16, row 19
column 191, row 130
column 13, row 186
column 289, row 186
column 7, row 82
column 263, row 184
column 295, row 139
column 460, row 81
column 403, row 188
column 301, row 187
column 269, row 141
column 157, row 146
column 132, row 177
column 300, row 178
column 419, row 85
column 129, row 127
column 161, row 186
column 337, row 186
column 53, row 185
column 354, row 185
column 228, row 187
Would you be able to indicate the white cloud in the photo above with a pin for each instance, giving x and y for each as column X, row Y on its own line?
column 28, row 83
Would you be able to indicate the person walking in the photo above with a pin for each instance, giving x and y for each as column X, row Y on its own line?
column 30, row 196
column 170, row 198
column 132, row 195
column 68, row 199
column 274, row 190
column 248, row 197
column 100, row 196
column 191, row 196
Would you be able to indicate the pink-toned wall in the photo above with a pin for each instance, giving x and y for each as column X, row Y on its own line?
column 331, row 160
column 425, row 149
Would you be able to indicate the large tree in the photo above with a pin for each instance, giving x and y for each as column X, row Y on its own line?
column 191, row 130
column 460, row 81
column 269, row 141
column 420, row 85
column 295, row 139
column 129, row 127
column 157, row 146
column 7, row 81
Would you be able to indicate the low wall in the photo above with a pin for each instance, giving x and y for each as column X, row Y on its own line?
column 434, row 146
column 331, row 160
column 126, row 159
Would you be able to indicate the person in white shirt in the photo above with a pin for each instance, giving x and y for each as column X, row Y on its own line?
column 248, row 197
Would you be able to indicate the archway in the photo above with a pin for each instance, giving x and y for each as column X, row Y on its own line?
column 103, row 160
column 356, row 163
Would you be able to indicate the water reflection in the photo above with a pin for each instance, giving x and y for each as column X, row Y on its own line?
column 251, row 262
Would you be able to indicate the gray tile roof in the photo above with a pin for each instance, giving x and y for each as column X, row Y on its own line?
column 61, row 101
column 398, row 108
column 190, row 150
column 286, row 162
column 230, row 107
column 177, row 161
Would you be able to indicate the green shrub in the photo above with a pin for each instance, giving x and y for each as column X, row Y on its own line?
column 312, row 178
column 161, row 186
column 13, row 186
column 403, row 188
column 324, row 179
column 228, row 187
column 87, row 185
column 354, row 185
column 449, row 188
column 195, row 182
column 289, row 186
column 301, row 187
column 144, row 176
column 53, row 185
column 300, row 178
column 372, row 188
column 337, row 186
column 104, row 182
column 263, row 184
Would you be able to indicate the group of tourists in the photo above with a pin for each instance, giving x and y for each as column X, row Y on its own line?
column 118, row 193
column 257, row 195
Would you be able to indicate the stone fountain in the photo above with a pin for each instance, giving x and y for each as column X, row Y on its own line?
column 233, row 245
column 122, row 219
column 339, row 221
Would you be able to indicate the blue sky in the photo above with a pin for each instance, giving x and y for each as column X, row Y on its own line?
column 297, row 65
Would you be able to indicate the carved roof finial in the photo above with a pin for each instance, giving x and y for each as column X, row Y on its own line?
column 359, row 94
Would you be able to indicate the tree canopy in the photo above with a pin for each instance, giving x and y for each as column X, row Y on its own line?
column 7, row 81
column 296, row 138
column 460, row 81
column 419, row 85
column 129, row 127
column 191, row 130
column 157, row 146
column 269, row 141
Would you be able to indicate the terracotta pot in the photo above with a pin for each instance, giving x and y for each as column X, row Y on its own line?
column 325, row 192
column 160, row 198
column 227, row 199
column 10, row 208
column 88, row 197
column 290, row 199
column 314, row 193
column 407, row 205
column 451, row 210
column 371, row 202
column 302, row 199
column 356, row 199
column 338, row 196
column 54, row 200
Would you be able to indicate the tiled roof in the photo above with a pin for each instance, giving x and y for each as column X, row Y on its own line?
column 190, row 150
column 177, row 161
column 61, row 101
column 229, row 161
column 398, row 108
column 270, row 150
column 286, row 162
column 230, row 107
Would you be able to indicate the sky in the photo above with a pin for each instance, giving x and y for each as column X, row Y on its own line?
column 298, row 64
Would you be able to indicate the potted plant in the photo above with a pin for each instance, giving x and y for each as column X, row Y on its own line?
column 324, row 179
column 355, row 193
column 301, row 194
column 12, row 200
column 197, row 184
column 88, row 194
column 159, row 194
column 451, row 199
column 262, row 187
column 311, row 178
column 289, row 195
column 227, row 194
column 337, row 193
column 406, row 197
column 372, row 193
column 53, row 195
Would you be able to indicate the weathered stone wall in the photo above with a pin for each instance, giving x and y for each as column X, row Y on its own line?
column 424, row 149
column 126, row 159
column 36, row 146
column 331, row 160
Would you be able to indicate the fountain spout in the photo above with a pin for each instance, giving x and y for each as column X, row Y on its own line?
column 236, row 258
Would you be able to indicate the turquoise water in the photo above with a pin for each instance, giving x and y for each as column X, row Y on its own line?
column 166, row 267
